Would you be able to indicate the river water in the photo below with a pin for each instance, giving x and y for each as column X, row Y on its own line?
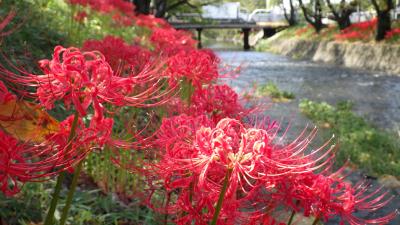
column 376, row 97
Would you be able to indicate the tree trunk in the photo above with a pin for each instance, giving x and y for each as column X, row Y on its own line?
column 318, row 26
column 344, row 21
column 161, row 8
column 142, row 6
column 383, row 26
column 384, row 19
column 314, row 17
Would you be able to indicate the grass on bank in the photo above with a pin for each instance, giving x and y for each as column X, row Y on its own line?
column 271, row 90
column 370, row 149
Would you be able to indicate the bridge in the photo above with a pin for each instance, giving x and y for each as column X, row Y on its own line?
column 269, row 29
column 231, row 15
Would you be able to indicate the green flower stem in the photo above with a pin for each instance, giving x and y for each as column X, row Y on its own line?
column 166, row 208
column 57, row 189
column 291, row 217
column 221, row 197
column 71, row 192
column 293, row 213
column 316, row 221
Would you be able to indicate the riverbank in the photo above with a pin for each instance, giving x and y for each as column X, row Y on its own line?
column 369, row 56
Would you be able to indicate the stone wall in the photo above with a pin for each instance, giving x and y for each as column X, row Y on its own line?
column 378, row 57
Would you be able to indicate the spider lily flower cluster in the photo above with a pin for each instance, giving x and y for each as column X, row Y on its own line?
column 254, row 173
column 211, row 164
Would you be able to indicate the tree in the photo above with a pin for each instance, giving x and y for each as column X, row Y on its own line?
column 383, row 8
column 163, row 7
column 342, row 13
column 313, row 14
column 291, row 16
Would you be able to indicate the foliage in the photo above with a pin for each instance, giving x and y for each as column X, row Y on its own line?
column 271, row 90
column 91, row 206
column 369, row 148
column 36, row 35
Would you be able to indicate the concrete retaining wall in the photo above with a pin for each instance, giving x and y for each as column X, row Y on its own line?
column 378, row 57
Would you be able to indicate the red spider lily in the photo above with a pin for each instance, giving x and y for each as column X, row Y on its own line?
column 352, row 36
column 11, row 154
column 151, row 22
column 218, row 101
column 22, row 162
column 106, row 6
column 170, row 41
column 325, row 196
column 366, row 25
column 96, row 135
column 179, row 130
column 393, row 33
column 196, row 159
column 121, row 56
column 122, row 20
column 196, row 66
column 85, row 78
column 302, row 30
column 358, row 31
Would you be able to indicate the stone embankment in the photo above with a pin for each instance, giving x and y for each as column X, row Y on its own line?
column 377, row 57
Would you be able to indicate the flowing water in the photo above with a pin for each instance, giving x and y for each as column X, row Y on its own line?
column 376, row 95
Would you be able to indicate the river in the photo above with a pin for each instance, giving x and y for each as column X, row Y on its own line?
column 376, row 95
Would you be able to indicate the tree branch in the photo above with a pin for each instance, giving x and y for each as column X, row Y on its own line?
column 305, row 13
column 376, row 6
column 333, row 10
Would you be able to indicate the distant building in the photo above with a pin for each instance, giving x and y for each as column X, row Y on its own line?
column 225, row 11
